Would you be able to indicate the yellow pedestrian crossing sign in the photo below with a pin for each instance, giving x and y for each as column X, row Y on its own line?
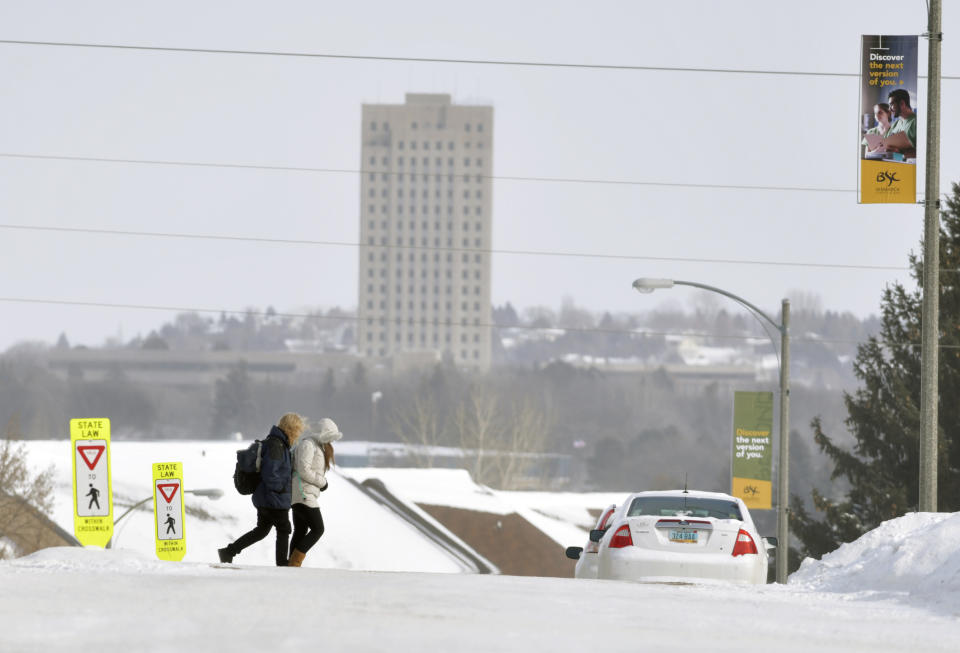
column 92, row 494
column 168, row 511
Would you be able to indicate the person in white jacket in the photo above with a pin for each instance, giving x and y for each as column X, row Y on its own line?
column 311, row 460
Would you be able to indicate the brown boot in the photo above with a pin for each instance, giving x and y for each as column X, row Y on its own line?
column 296, row 558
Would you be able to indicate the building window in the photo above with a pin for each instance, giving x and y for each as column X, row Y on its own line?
column 373, row 126
column 413, row 125
column 400, row 145
column 479, row 126
column 467, row 126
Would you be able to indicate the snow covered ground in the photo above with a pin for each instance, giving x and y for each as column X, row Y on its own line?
column 72, row 600
column 895, row 589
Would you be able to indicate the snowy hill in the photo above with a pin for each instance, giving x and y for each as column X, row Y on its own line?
column 349, row 515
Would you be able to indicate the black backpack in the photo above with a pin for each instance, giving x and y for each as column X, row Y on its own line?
column 246, row 475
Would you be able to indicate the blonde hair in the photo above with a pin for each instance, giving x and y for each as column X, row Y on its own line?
column 292, row 425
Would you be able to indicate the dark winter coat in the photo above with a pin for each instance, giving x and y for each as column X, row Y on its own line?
column 276, row 471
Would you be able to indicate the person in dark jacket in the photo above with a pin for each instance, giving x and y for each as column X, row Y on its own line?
column 272, row 496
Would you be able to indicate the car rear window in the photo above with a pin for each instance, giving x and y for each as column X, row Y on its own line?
column 684, row 507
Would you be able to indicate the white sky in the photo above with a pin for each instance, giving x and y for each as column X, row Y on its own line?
column 569, row 123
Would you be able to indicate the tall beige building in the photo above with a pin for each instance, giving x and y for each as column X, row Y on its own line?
column 425, row 229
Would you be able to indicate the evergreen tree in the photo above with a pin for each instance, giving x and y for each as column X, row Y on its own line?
column 883, row 415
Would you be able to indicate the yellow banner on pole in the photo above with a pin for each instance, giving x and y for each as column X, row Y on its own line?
column 752, row 449
column 92, row 493
column 168, row 511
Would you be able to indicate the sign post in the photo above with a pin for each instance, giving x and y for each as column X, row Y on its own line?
column 168, row 511
column 752, row 450
column 92, row 493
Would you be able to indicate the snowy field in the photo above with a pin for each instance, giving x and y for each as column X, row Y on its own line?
column 895, row 589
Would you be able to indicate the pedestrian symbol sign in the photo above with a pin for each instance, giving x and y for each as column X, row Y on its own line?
column 92, row 493
column 168, row 510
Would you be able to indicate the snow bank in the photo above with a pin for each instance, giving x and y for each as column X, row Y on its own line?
column 915, row 558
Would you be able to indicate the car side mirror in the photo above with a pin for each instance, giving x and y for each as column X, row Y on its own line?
column 597, row 534
column 771, row 542
column 573, row 552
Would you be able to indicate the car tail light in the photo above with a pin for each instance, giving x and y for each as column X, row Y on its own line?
column 744, row 545
column 622, row 538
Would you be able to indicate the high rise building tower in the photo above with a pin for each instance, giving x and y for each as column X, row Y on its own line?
column 425, row 229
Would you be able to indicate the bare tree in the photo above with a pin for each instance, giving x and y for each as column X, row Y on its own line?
column 524, row 433
column 418, row 422
column 476, row 424
column 22, row 494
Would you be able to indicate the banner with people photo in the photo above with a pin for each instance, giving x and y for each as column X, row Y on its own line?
column 888, row 119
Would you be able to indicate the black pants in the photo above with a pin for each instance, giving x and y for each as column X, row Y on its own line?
column 267, row 518
column 307, row 527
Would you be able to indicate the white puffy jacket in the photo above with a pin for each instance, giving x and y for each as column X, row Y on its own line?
column 309, row 462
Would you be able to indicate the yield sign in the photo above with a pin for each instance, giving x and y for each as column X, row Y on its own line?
column 85, row 453
column 168, row 490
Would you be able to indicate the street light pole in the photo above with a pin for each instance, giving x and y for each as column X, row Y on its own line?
column 783, row 466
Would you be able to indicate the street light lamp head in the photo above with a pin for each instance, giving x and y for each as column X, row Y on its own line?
column 213, row 493
column 646, row 285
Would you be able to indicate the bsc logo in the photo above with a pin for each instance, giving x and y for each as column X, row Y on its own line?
column 888, row 177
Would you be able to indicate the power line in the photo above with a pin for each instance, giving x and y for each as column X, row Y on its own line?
column 564, row 180
column 400, row 321
column 478, row 62
column 518, row 252
column 473, row 62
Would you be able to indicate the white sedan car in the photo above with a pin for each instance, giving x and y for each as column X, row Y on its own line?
column 682, row 534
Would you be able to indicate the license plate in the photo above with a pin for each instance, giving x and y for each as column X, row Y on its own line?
column 684, row 537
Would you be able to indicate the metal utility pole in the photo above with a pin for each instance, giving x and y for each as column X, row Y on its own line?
column 930, row 320
column 783, row 467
